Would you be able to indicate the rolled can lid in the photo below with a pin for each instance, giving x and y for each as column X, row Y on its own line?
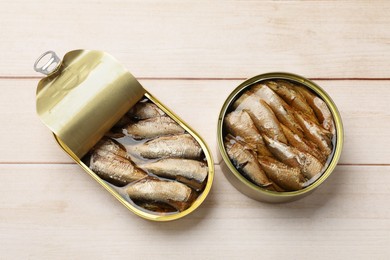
column 83, row 96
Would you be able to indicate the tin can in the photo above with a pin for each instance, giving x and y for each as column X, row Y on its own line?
column 245, row 184
column 86, row 94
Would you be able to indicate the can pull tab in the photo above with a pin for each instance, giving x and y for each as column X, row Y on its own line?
column 47, row 63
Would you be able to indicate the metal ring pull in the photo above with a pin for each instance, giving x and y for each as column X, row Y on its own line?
column 50, row 66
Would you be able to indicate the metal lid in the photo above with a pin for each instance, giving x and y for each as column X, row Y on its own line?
column 83, row 96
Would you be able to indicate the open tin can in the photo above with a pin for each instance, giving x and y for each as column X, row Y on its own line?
column 122, row 136
column 280, row 136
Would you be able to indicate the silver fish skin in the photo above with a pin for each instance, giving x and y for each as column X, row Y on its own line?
column 288, row 92
column 245, row 160
column 281, row 109
column 262, row 115
column 303, row 145
column 320, row 109
column 153, row 127
column 114, row 168
column 173, row 193
column 240, row 124
column 145, row 110
column 316, row 134
column 190, row 172
column 307, row 163
column 109, row 145
column 286, row 177
column 178, row 146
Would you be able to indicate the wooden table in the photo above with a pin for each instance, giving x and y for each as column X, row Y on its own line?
column 192, row 54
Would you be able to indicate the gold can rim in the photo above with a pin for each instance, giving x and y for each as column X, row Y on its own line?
column 312, row 86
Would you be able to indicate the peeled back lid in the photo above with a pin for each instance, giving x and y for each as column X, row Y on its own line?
column 84, row 96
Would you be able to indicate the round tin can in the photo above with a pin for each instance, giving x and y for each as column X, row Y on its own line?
column 243, row 184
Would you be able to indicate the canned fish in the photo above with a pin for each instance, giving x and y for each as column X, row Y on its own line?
column 280, row 136
column 122, row 136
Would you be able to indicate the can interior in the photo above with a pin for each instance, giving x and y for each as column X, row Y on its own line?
column 118, row 192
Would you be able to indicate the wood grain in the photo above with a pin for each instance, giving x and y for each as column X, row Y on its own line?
column 224, row 39
column 363, row 106
column 191, row 55
column 62, row 213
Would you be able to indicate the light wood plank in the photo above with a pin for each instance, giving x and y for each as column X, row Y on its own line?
column 204, row 38
column 363, row 105
column 57, row 211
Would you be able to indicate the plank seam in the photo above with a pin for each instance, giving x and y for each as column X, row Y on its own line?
column 206, row 78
